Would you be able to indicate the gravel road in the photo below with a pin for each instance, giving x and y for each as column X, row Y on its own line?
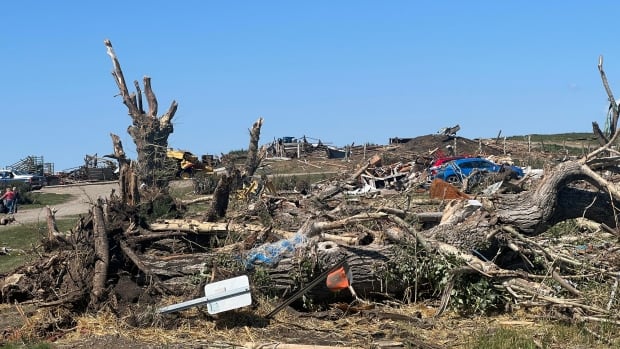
column 83, row 195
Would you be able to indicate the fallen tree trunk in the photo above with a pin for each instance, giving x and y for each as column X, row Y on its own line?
column 533, row 212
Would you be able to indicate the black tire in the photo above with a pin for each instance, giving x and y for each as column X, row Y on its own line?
column 453, row 179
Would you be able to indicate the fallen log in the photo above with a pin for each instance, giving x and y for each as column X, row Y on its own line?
column 195, row 226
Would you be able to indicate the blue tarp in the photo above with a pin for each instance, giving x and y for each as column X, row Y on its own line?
column 270, row 254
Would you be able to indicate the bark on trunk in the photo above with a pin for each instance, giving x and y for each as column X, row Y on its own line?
column 365, row 263
column 532, row 212
column 254, row 158
column 102, row 255
column 128, row 183
column 221, row 195
column 149, row 132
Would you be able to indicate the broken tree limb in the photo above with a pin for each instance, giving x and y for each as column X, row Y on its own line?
column 612, row 101
column 120, row 79
column 130, row 254
column 600, row 136
column 354, row 177
column 195, row 226
column 253, row 160
column 197, row 200
column 311, row 229
column 343, row 240
column 102, row 254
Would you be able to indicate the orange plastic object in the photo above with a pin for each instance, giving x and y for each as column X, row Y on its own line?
column 337, row 280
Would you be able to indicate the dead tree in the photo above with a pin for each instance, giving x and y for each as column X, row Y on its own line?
column 254, row 158
column 233, row 179
column 148, row 131
column 129, row 193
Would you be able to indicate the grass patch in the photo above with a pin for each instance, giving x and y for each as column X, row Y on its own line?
column 558, row 137
column 38, row 200
column 24, row 239
column 503, row 338
column 545, row 335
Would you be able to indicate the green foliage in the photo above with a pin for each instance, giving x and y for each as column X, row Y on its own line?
column 565, row 228
column 474, row 294
column 262, row 281
column 413, row 267
column 427, row 276
column 161, row 206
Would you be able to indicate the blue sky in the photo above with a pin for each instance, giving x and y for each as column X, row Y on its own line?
column 340, row 71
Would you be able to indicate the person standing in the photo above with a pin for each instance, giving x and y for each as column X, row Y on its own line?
column 16, row 199
column 9, row 199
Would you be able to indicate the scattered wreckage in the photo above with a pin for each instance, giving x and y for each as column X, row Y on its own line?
column 459, row 247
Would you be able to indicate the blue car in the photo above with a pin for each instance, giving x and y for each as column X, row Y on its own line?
column 455, row 171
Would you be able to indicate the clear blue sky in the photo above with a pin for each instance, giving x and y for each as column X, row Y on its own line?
column 340, row 71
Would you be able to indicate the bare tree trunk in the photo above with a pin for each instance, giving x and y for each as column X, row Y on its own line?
column 221, row 196
column 254, row 158
column 531, row 212
column 148, row 131
column 129, row 193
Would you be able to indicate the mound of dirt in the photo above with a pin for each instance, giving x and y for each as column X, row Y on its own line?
column 441, row 144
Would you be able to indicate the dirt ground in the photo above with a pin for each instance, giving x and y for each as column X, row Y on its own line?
column 83, row 196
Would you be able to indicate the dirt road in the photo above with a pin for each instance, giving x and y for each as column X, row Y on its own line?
column 82, row 194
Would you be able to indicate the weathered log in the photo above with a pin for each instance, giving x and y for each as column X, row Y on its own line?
column 533, row 212
column 312, row 228
column 364, row 262
column 195, row 226
column 197, row 200
column 102, row 255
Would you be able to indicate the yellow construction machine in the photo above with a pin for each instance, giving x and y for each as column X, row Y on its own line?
column 189, row 163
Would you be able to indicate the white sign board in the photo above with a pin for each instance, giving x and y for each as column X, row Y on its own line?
column 219, row 296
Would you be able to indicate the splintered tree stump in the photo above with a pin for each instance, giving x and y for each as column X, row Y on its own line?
column 253, row 160
column 221, row 196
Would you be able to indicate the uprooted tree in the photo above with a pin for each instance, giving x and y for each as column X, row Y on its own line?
column 289, row 239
